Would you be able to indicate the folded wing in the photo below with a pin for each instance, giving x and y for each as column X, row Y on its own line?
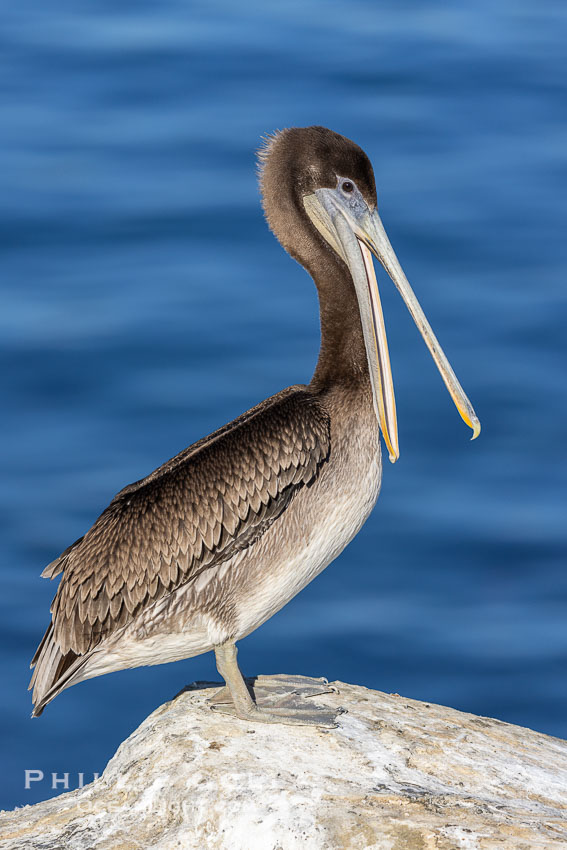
column 212, row 500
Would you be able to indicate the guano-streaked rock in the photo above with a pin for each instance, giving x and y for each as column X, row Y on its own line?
column 395, row 775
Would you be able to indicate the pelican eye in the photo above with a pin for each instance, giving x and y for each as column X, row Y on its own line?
column 347, row 186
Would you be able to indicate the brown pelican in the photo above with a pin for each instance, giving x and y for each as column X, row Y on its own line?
column 206, row 548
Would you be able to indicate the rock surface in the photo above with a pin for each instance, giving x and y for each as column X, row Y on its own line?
column 395, row 775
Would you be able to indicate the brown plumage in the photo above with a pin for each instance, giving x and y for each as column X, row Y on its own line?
column 223, row 500
column 201, row 552
column 220, row 497
column 294, row 163
column 197, row 510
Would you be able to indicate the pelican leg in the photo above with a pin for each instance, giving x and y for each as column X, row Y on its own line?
column 243, row 706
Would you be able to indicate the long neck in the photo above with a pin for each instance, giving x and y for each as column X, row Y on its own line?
column 342, row 356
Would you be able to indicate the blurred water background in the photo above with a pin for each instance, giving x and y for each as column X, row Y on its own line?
column 145, row 303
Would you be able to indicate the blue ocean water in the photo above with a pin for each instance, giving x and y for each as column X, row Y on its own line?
column 145, row 303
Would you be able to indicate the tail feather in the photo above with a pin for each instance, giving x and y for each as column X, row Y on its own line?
column 54, row 671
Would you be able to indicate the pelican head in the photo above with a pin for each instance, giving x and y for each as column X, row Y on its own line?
column 331, row 179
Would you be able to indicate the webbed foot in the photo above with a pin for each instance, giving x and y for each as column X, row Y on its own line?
column 271, row 699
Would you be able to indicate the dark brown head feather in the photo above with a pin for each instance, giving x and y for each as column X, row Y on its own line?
column 297, row 161
column 294, row 163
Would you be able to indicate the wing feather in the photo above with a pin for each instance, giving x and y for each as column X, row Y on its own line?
column 213, row 499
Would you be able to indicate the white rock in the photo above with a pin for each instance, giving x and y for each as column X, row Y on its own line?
column 395, row 775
